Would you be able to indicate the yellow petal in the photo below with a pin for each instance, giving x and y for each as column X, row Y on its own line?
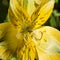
column 18, row 16
column 3, row 28
column 9, row 41
column 49, row 44
column 41, row 15
column 28, row 52
column 4, row 53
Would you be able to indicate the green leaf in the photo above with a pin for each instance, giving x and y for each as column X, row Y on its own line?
column 56, row 1
column 53, row 22
column 13, row 58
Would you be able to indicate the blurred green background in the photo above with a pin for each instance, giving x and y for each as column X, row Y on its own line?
column 53, row 21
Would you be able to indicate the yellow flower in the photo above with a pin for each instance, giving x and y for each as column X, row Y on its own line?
column 24, row 37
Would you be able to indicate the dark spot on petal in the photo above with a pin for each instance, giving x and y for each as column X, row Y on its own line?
column 35, row 59
column 1, row 40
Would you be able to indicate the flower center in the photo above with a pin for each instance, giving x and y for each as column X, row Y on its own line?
column 26, row 29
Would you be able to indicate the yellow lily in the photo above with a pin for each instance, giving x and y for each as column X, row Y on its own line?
column 24, row 37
